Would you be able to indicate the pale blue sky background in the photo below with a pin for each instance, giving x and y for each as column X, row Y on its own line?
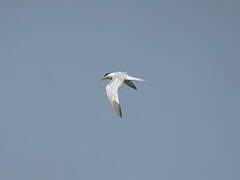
column 55, row 120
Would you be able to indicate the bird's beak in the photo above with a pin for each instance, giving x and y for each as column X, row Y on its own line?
column 103, row 78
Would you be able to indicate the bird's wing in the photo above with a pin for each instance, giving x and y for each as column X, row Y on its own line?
column 130, row 84
column 112, row 94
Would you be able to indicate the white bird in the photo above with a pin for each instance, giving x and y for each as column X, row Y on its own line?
column 117, row 80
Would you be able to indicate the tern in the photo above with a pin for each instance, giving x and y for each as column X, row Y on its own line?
column 117, row 80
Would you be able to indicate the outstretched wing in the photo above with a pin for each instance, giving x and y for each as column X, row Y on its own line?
column 130, row 84
column 117, row 108
column 112, row 94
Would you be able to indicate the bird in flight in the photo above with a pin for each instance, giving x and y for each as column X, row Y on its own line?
column 117, row 80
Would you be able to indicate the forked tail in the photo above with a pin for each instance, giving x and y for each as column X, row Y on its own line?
column 131, row 78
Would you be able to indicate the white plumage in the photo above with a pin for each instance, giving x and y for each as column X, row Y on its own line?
column 117, row 80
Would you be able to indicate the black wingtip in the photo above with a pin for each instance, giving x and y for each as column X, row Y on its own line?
column 117, row 108
column 130, row 84
column 120, row 113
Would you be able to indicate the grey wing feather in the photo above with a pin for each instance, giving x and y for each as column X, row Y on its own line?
column 130, row 84
column 117, row 108
column 112, row 94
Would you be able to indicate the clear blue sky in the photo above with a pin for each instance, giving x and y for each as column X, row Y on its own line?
column 181, row 124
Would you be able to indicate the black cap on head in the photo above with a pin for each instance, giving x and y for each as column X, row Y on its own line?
column 106, row 74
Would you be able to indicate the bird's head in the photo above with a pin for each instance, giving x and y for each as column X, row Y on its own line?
column 106, row 76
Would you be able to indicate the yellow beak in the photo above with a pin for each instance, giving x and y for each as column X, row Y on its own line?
column 103, row 78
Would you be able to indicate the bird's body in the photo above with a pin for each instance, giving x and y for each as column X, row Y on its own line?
column 117, row 80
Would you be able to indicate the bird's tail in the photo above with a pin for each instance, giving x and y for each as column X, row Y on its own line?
column 131, row 78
